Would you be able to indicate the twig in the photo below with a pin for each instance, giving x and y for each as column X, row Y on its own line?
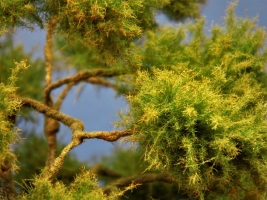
column 79, row 77
column 99, row 81
column 62, row 96
column 102, row 170
column 139, row 180
column 64, row 93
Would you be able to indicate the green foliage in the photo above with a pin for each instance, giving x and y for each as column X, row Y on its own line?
column 120, row 159
column 33, row 76
column 131, row 163
column 199, row 108
column 8, row 109
column 84, row 187
column 20, row 13
column 178, row 10
column 32, row 165
column 107, row 25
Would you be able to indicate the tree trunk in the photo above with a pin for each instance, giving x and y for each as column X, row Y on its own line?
column 7, row 188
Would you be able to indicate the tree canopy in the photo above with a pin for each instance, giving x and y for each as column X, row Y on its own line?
column 197, row 102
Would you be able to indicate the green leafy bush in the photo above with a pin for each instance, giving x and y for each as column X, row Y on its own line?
column 8, row 108
column 84, row 187
column 199, row 108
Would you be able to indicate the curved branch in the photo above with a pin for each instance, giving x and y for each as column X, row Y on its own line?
column 77, row 139
column 111, row 136
column 62, row 96
column 71, row 122
column 139, row 180
column 99, row 81
column 79, row 77
column 102, row 170
column 92, row 80
column 144, row 178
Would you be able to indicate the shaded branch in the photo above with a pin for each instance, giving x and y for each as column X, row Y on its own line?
column 144, row 178
column 102, row 170
column 139, row 180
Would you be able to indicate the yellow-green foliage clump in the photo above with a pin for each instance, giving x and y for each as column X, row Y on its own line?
column 178, row 10
column 84, row 187
column 107, row 25
column 199, row 108
column 8, row 108
column 20, row 13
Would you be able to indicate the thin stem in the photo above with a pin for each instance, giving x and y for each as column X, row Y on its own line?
column 99, row 81
column 62, row 96
column 80, row 77
column 139, row 180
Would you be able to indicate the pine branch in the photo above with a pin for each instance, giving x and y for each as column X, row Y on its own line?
column 111, row 136
column 139, row 180
column 71, row 122
column 102, row 170
column 93, row 80
column 80, row 77
column 99, row 81
column 62, row 96
column 77, row 133
column 144, row 178
column 51, row 126
column 77, row 139
column 48, row 51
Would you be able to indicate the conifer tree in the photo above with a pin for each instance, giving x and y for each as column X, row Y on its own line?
column 197, row 102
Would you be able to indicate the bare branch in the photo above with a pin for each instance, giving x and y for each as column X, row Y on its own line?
column 51, row 171
column 48, row 51
column 111, row 136
column 77, row 129
column 102, row 170
column 139, row 180
column 62, row 96
column 99, row 81
column 51, row 126
column 71, row 122
column 144, row 178
column 77, row 139
column 80, row 77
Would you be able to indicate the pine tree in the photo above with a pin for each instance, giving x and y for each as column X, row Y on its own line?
column 197, row 102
